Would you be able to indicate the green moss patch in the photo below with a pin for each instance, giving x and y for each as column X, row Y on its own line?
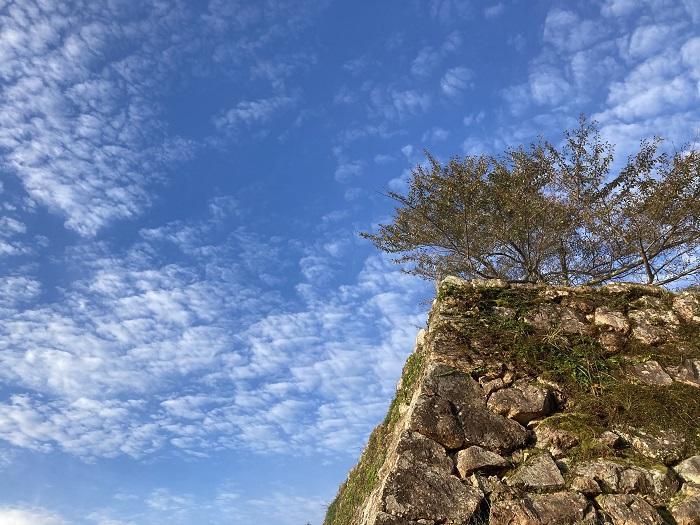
column 594, row 382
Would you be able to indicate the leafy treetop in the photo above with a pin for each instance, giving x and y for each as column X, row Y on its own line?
column 553, row 214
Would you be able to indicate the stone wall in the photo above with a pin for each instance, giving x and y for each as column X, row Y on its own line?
column 540, row 405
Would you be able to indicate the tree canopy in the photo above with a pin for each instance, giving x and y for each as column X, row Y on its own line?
column 552, row 213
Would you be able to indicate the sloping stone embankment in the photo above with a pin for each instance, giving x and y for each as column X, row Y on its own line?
column 532, row 405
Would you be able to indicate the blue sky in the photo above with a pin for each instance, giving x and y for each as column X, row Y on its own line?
column 192, row 331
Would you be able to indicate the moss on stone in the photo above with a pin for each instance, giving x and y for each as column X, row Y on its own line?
column 593, row 381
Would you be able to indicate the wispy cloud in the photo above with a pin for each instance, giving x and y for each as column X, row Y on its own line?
column 649, row 82
column 457, row 80
column 77, row 125
column 142, row 353
column 428, row 58
column 494, row 11
column 249, row 112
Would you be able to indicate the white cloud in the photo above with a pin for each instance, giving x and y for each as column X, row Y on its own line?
column 430, row 57
column 494, row 11
column 74, row 120
column 17, row 289
column 649, row 39
column 249, row 112
column 382, row 158
column 449, row 12
column 427, row 59
column 139, row 354
column 348, row 170
column 567, row 32
column 457, row 80
column 657, row 85
column 436, row 134
column 619, row 7
column 690, row 53
column 474, row 118
column 693, row 9
column 29, row 516
column 548, row 86
column 394, row 104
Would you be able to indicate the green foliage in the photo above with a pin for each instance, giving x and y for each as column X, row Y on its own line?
column 554, row 214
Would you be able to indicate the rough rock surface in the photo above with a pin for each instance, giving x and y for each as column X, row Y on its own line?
column 611, row 320
column 480, row 433
column 685, row 508
column 608, row 477
column 559, row 508
column 650, row 373
column 629, row 509
column 537, row 473
column 556, row 441
column 651, row 325
column 522, row 402
column 688, row 372
column 422, row 486
column 476, row 458
column 480, row 425
column 434, row 417
column 664, row 445
column 687, row 306
column 689, row 470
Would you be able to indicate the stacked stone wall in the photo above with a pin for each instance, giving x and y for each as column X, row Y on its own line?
column 545, row 405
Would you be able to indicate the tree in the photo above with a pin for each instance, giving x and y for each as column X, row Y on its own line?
column 552, row 214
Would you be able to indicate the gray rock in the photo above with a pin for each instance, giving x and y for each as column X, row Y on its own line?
column 537, row 473
column 434, row 418
column 455, row 386
column 689, row 470
column 650, row 373
column 481, row 426
column 603, row 476
column 523, row 402
column 476, row 458
column 611, row 320
column 550, row 316
column 628, row 509
column 421, row 486
column 685, row 509
column 559, row 508
column 492, row 385
column 486, row 484
column 688, row 372
column 651, row 326
column 383, row 518
column 555, row 440
column 579, row 303
column 663, row 445
column 504, row 311
column 484, row 428
column 587, row 486
column 417, row 451
column 687, row 306
column 487, row 283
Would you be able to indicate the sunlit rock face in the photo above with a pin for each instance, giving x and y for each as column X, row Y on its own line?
column 527, row 405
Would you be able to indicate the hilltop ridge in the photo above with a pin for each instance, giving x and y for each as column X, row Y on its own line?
column 529, row 404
